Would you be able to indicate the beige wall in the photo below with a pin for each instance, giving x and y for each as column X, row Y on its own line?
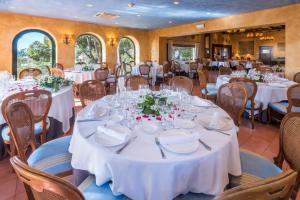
column 288, row 15
column 12, row 24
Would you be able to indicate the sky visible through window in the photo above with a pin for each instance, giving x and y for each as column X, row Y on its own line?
column 29, row 38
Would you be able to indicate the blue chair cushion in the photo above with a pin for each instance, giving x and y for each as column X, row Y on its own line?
column 38, row 128
column 194, row 196
column 52, row 157
column 254, row 168
column 91, row 191
column 257, row 104
column 279, row 106
column 212, row 93
column 211, row 86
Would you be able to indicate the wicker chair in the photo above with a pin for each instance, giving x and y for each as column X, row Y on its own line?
column 176, row 68
column 193, row 68
column 251, row 88
column 127, row 68
column 30, row 72
column 278, row 109
column 297, row 77
column 208, row 90
column 145, row 72
column 48, row 69
column 225, row 71
column 57, row 72
column 135, row 81
column 90, row 91
column 51, row 157
column 59, row 66
column 166, row 74
column 276, row 187
column 112, row 79
column 289, row 145
column 232, row 97
column 39, row 102
column 101, row 74
column 40, row 186
column 182, row 82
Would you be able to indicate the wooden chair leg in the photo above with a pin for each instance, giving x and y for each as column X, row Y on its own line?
column 252, row 118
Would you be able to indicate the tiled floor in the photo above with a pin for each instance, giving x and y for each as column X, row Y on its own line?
column 262, row 140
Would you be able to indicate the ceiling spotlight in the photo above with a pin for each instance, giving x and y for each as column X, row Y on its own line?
column 176, row 2
column 131, row 5
column 208, row 13
column 170, row 22
column 89, row 5
column 138, row 15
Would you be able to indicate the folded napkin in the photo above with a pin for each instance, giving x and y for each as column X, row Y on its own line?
column 112, row 133
column 200, row 102
column 178, row 139
column 214, row 121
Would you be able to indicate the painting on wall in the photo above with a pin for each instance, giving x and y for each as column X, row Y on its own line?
column 246, row 47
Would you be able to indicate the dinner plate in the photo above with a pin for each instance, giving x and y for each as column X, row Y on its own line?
column 96, row 112
column 184, row 123
column 149, row 127
column 180, row 148
column 201, row 102
column 224, row 123
column 109, row 141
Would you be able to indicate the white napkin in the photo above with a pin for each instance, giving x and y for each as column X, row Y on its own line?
column 178, row 139
column 200, row 102
column 214, row 122
column 112, row 133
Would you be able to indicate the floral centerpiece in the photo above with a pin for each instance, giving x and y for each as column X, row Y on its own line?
column 54, row 82
column 255, row 75
column 150, row 104
column 87, row 68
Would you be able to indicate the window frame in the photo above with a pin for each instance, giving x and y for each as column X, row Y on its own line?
column 15, row 48
column 134, row 49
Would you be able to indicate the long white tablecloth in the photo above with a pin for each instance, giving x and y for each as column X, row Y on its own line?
column 265, row 92
column 139, row 171
column 61, row 108
column 79, row 76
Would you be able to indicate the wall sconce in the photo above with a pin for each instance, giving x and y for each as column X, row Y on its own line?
column 111, row 41
column 67, row 39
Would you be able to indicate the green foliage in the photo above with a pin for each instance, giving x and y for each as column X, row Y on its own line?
column 184, row 53
column 38, row 54
column 150, row 104
column 88, row 50
column 54, row 82
column 126, row 50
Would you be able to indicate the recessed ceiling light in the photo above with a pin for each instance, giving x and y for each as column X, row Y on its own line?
column 208, row 13
column 12, row 7
column 89, row 5
column 116, row 22
column 170, row 22
column 138, row 15
column 76, row 17
column 131, row 5
column 176, row 2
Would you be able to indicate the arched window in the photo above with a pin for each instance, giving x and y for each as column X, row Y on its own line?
column 33, row 48
column 88, row 49
column 127, row 51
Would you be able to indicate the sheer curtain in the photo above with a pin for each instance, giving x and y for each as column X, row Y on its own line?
column 197, row 50
column 170, row 50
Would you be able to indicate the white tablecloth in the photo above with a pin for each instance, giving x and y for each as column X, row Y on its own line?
column 155, row 70
column 219, row 64
column 265, row 93
column 79, row 76
column 61, row 108
column 139, row 171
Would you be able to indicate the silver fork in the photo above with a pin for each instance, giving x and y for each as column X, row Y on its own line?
column 159, row 146
column 131, row 140
column 86, row 137
column 204, row 144
column 218, row 131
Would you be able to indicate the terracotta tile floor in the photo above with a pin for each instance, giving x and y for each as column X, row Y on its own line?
column 262, row 140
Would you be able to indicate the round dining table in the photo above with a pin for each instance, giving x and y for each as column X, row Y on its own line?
column 79, row 76
column 144, row 167
column 62, row 102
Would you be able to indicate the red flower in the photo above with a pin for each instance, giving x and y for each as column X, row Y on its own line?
column 158, row 118
column 138, row 118
column 149, row 119
column 145, row 116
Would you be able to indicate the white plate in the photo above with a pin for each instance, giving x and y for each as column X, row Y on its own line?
column 96, row 112
column 149, row 127
column 224, row 124
column 184, row 123
column 108, row 141
column 194, row 109
column 116, row 118
column 201, row 102
column 184, row 148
